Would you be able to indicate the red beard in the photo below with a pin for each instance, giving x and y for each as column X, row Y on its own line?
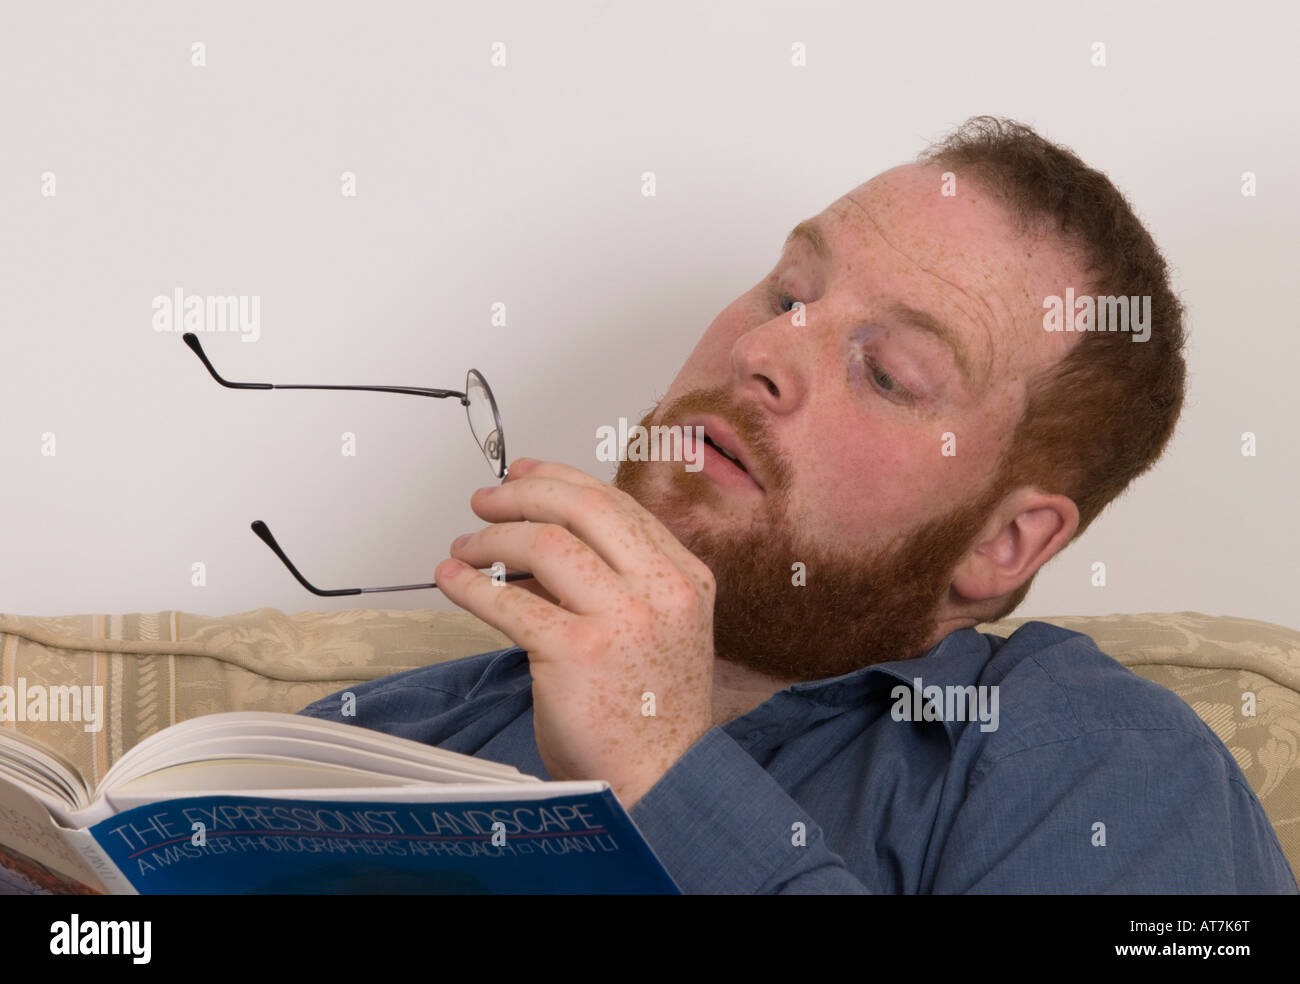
column 849, row 613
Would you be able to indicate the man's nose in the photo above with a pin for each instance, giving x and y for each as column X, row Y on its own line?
column 768, row 364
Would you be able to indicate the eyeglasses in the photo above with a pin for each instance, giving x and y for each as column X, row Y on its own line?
column 484, row 424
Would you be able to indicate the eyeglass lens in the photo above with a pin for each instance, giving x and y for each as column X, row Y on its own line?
column 484, row 421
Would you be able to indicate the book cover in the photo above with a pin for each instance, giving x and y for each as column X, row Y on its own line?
column 578, row 843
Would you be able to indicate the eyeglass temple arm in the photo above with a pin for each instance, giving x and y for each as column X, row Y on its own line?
column 264, row 533
column 192, row 341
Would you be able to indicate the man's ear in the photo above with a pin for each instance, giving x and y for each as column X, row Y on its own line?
column 1027, row 529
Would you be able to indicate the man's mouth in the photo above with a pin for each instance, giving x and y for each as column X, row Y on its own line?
column 720, row 462
column 725, row 453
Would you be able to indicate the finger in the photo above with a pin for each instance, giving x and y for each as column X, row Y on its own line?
column 531, row 467
column 529, row 621
column 565, row 566
column 534, row 587
column 615, row 526
column 529, row 584
column 519, row 468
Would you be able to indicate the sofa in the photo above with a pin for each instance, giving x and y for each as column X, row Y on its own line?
column 1241, row 676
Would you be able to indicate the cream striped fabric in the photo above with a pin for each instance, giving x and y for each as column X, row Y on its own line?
column 165, row 667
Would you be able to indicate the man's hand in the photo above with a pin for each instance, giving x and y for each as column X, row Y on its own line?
column 618, row 622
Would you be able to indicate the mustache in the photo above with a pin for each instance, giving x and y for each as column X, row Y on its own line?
column 745, row 419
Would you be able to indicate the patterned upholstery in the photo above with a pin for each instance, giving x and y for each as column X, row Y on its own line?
column 161, row 668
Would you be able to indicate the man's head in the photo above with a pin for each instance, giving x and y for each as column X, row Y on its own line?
column 919, row 443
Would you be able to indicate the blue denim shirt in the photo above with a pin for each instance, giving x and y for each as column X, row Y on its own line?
column 1094, row 780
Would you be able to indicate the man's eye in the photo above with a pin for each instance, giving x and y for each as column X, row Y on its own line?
column 886, row 383
column 779, row 299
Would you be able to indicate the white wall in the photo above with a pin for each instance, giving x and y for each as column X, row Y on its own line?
column 521, row 184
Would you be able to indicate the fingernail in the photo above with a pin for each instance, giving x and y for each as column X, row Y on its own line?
column 460, row 541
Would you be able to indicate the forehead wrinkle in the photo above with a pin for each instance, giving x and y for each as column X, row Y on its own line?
column 988, row 360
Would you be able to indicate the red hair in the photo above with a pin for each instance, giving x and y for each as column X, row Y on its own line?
column 1105, row 412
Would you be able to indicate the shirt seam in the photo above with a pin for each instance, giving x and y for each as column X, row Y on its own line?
column 397, row 688
column 1268, row 825
column 982, row 768
column 1060, row 688
column 779, row 879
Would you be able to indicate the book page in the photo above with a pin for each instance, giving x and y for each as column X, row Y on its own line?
column 234, row 746
column 44, row 765
column 34, row 858
column 266, row 730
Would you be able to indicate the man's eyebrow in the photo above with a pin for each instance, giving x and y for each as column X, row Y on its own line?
column 928, row 323
column 810, row 233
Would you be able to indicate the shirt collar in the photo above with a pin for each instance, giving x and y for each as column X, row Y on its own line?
column 957, row 660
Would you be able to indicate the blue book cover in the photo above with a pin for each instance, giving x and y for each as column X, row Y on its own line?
column 223, row 844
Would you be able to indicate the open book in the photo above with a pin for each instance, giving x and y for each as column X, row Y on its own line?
column 256, row 802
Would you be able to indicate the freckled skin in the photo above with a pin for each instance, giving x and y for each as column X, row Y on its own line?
column 620, row 607
column 636, row 618
column 859, row 470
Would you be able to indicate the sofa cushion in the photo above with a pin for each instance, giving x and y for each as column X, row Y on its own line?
column 158, row 669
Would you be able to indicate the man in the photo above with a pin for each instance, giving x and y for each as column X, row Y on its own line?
column 910, row 447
